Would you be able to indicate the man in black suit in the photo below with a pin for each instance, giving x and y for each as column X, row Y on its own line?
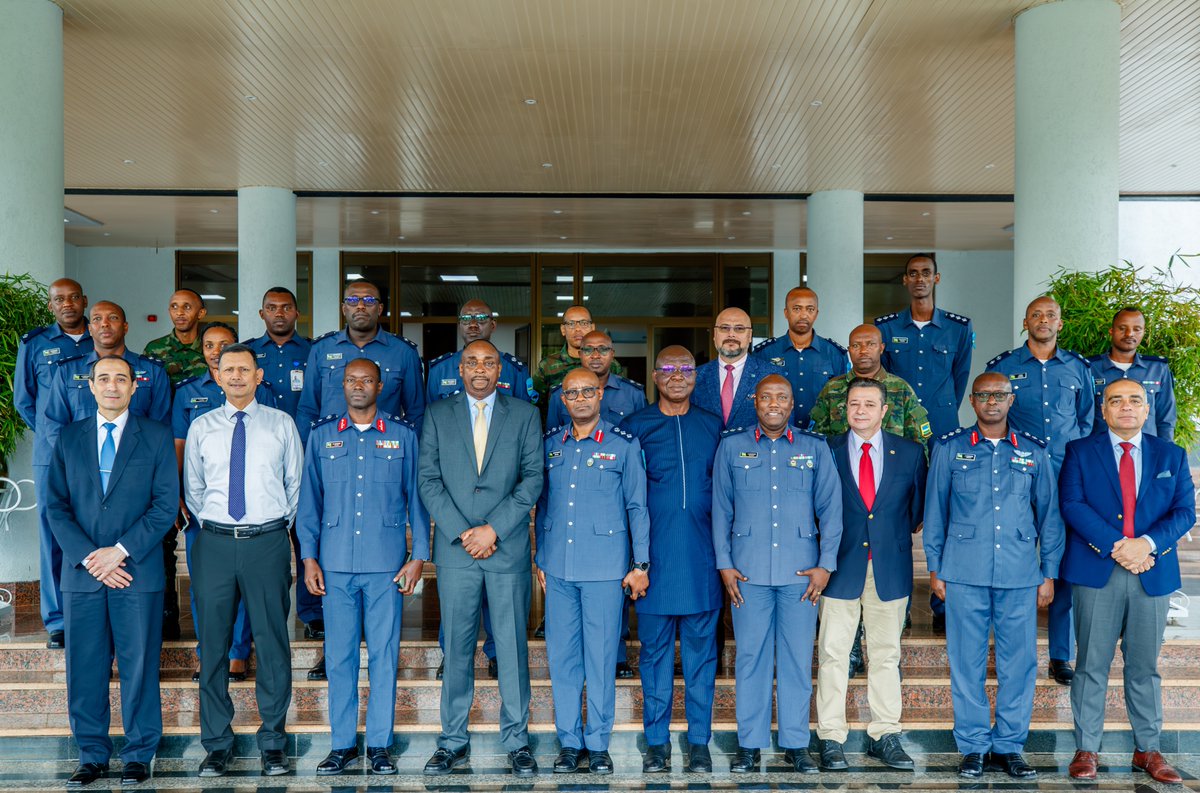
column 113, row 492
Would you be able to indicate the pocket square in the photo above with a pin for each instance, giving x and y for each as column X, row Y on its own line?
column 1163, row 475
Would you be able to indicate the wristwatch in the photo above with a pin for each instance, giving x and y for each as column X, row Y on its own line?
column 643, row 566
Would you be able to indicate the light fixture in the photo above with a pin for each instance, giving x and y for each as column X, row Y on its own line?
column 889, row 238
column 746, row 213
column 214, row 211
column 495, row 314
column 731, row 238
column 560, row 313
column 354, row 276
column 66, row 220
column 547, row 165
column 465, row 279
column 557, row 211
column 563, row 298
column 374, row 211
column 989, row 166
column 815, row 103
column 400, row 237
column 804, row 278
column 562, row 238
column 212, row 297
column 128, row 162
column 926, row 214
column 567, row 279
column 531, row 101
column 406, row 313
column 250, row 98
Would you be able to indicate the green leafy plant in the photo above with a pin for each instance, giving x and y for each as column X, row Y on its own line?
column 23, row 302
column 1172, row 312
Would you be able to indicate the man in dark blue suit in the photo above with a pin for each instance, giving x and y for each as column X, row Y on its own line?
column 726, row 386
column 883, row 497
column 113, row 493
column 1127, row 497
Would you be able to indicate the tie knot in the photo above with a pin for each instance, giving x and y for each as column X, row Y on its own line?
column 241, row 414
column 866, row 447
column 1126, row 446
column 729, row 367
column 108, row 425
column 480, row 405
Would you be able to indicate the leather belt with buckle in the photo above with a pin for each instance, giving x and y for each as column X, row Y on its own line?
column 242, row 531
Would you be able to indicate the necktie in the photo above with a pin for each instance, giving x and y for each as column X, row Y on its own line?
column 108, row 453
column 1128, row 489
column 481, row 430
column 237, row 469
column 727, row 393
column 866, row 477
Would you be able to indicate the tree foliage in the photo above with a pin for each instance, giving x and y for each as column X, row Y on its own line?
column 23, row 305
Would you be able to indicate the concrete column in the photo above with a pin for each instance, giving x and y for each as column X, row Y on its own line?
column 327, row 291
column 785, row 275
column 266, row 249
column 835, row 260
column 1066, row 190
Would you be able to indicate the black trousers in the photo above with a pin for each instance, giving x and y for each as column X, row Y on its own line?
column 258, row 570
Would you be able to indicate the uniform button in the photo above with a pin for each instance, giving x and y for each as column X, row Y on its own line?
column 570, row 523
column 997, row 509
column 360, row 457
column 360, row 476
column 358, row 532
column 1045, row 385
column 997, row 545
column 865, row 544
column 775, row 525
column 920, row 352
column 775, row 544
column 578, row 450
column 358, row 494
column 1045, row 403
column 871, row 516
column 774, row 506
column 358, row 514
column 774, row 487
column 478, row 490
column 1047, row 421
column 996, row 489
column 574, row 468
column 997, row 528
column 570, row 541
column 570, row 503
column 994, row 471
column 572, row 484
column 772, row 468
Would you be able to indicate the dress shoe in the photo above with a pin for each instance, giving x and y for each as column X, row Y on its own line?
column 657, row 759
column 971, row 766
column 600, row 763
column 216, row 763
column 800, row 761
column 1012, row 764
column 568, row 760
column 237, row 675
column 87, row 773
column 380, row 760
column 888, row 751
column 314, row 630
column 678, row 670
column 493, row 669
column 135, row 773
column 318, row 670
column 196, row 676
column 624, row 672
column 832, row 756
column 1083, row 765
column 337, row 761
column 1062, row 672
column 939, row 624
column 56, row 641
column 441, row 670
column 1158, row 768
column 745, row 761
column 523, row 763
column 540, row 631
column 699, row 759
column 275, row 762
column 446, row 760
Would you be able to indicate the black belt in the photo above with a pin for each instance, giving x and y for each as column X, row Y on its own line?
column 244, row 531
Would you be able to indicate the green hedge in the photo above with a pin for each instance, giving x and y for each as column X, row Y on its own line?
column 23, row 305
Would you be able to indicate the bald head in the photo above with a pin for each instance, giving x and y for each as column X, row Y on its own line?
column 732, row 333
column 1043, row 320
column 801, row 311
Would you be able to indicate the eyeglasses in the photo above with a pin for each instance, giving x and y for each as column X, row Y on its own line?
column 475, row 363
column 576, row 323
column 467, row 319
column 364, row 300
column 603, row 349
column 670, row 370
column 991, row 396
column 587, row 392
column 734, row 328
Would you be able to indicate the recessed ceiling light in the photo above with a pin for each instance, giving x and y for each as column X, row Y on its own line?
column 559, row 211
column 547, row 165
column 889, row 238
column 926, row 214
column 562, row 238
column 354, row 276
column 776, row 167
column 746, row 214
column 128, row 162
column 531, row 101
column 212, row 297
column 560, row 313
column 731, row 238
column 465, row 279
column 235, row 311
column 815, row 103
column 563, row 297
column 374, row 211
column 107, row 234
column 400, row 237
column 989, row 166
column 322, row 163
column 214, row 211
column 567, row 279
column 66, row 220
column 406, row 313
column 250, row 98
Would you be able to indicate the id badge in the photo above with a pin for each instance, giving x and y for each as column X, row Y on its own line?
column 297, row 379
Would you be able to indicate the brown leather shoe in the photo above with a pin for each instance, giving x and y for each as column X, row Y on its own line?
column 1158, row 768
column 1083, row 765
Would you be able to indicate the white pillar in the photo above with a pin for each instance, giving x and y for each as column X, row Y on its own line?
column 1066, row 190
column 835, row 260
column 266, row 250
column 785, row 275
column 327, row 291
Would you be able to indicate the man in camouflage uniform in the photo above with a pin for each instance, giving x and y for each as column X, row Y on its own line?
column 905, row 416
column 576, row 323
column 180, row 350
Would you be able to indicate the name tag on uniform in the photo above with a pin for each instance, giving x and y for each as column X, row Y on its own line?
column 52, row 351
column 333, row 444
column 801, row 461
column 449, row 381
column 333, row 356
column 1100, row 381
column 748, row 454
column 1022, row 461
column 81, row 377
column 386, row 444
column 1018, row 376
column 552, row 455
column 260, row 355
column 199, row 400
column 297, row 379
column 966, row 457
column 899, row 340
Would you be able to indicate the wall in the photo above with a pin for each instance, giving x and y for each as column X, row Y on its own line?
column 1152, row 231
column 140, row 280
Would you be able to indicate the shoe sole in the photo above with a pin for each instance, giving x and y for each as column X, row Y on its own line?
column 389, row 772
column 208, row 774
column 662, row 770
column 276, row 771
column 345, row 765
column 604, row 772
column 835, row 766
column 901, row 766
column 698, row 769
column 131, row 782
column 525, row 772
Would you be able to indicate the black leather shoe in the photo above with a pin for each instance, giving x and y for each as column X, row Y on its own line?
column 337, row 761
column 699, row 759
column 939, row 624
column 493, row 669
column 568, row 760
column 441, row 670
column 275, row 762
column 888, row 751
column 1012, row 764
column 196, row 676
column 800, row 761
column 87, row 773
column 833, row 758
column 238, row 677
column 523, row 763
column 446, row 760
column 1062, row 672
column 314, row 630
column 216, row 763
column 624, row 672
column 657, row 759
column 745, row 761
column 318, row 670
column 380, row 760
column 56, row 641
column 971, row 766
column 600, row 763
column 540, row 631
column 135, row 773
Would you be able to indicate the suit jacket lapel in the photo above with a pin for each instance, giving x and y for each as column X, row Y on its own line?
column 746, row 385
column 129, row 440
column 1108, row 462
column 1149, row 467
column 91, row 456
column 841, row 456
column 499, row 416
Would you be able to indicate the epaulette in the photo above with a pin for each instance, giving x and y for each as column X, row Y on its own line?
column 835, row 344
column 763, row 344
column 959, row 318
column 70, row 358
column 810, row 433
column 733, row 431
column 1155, row 358
column 999, row 358
column 1080, row 356
column 152, row 359
column 441, row 358
column 514, row 360
column 192, row 379
column 402, row 420
column 34, row 332
column 626, row 434
column 324, row 336
column 952, row 434
column 1039, row 441
column 634, row 383
column 409, row 342
column 323, row 420
column 886, row 318
column 552, row 431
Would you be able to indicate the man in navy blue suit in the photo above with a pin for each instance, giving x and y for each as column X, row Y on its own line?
column 1127, row 497
column 113, row 492
column 726, row 386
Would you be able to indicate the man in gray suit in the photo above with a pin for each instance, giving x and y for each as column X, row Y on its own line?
column 481, row 542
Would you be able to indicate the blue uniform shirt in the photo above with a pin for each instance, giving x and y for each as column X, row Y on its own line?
column 40, row 349
column 622, row 398
column 283, row 369
column 991, row 511
column 1154, row 375
column 935, row 360
column 808, row 370
column 399, row 367
column 591, row 516
column 1053, row 400
column 768, row 497
column 444, row 379
column 195, row 396
column 358, row 490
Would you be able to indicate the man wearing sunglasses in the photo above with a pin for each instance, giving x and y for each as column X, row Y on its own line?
column 622, row 397
column 399, row 363
column 475, row 322
column 576, row 323
column 726, row 385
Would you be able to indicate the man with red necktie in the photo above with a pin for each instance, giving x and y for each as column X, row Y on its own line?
column 725, row 386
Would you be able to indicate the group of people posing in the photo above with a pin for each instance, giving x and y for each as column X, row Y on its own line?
column 788, row 479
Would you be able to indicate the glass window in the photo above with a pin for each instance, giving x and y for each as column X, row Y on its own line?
column 746, row 278
column 558, row 284
column 436, row 284
column 214, row 275
column 648, row 285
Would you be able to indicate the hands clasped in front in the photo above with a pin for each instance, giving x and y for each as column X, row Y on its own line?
column 107, row 565
column 479, row 541
column 1133, row 553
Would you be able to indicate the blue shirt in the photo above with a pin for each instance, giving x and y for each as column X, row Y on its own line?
column 40, row 349
column 444, row 380
column 808, row 370
column 283, row 369
column 991, row 511
column 1155, row 376
column 935, row 360
column 1054, row 399
column 489, row 403
column 195, row 396
column 622, row 398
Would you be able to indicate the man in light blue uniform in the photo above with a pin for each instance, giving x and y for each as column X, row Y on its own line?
column 358, row 489
column 1054, row 401
column 810, row 360
column 1122, row 362
column 772, row 485
column 475, row 322
column 622, row 396
column 37, row 354
column 591, row 522
column 993, row 541
column 403, row 386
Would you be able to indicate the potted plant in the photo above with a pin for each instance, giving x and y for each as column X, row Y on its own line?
column 23, row 306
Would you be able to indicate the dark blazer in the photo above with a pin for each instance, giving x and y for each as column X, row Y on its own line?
column 708, row 390
column 888, row 528
column 137, row 511
column 458, row 498
column 1090, row 498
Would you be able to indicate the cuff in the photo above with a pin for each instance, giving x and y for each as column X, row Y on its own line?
column 121, row 548
column 1153, row 545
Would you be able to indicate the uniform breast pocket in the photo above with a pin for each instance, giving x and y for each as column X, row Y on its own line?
column 798, row 476
column 961, row 531
column 331, row 383
column 748, row 476
column 601, row 476
column 940, row 350
column 388, row 465
column 966, row 479
column 1020, row 478
column 1067, row 394
column 335, row 463
column 80, row 398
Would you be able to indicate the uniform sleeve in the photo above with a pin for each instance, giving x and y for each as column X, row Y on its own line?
column 841, row 363
column 920, row 474
column 937, row 505
column 412, row 388
column 145, row 536
column 310, row 512
column 962, row 363
column 418, row 518
column 1052, row 538
column 58, row 410
column 916, row 418
column 543, row 503
column 820, row 413
column 431, row 390
column 827, row 504
column 1085, row 402
column 539, row 381
column 309, row 407
column 722, row 509
column 1164, row 407
column 160, row 396
column 25, row 387
column 179, row 422
column 633, row 483
column 556, row 414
